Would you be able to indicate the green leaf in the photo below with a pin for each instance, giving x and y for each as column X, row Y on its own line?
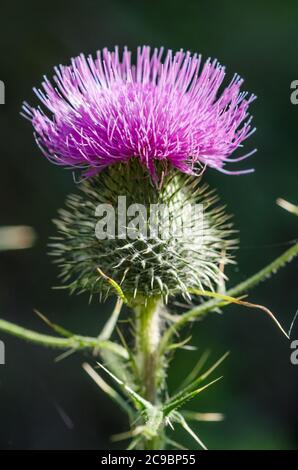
column 130, row 355
column 59, row 329
column 201, row 378
column 179, row 345
column 139, row 401
column 134, row 443
column 106, row 388
column 179, row 418
column 175, row 403
column 175, row 444
column 195, row 371
column 110, row 325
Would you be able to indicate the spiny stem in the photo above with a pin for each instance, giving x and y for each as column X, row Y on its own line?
column 200, row 310
column 83, row 342
column 76, row 342
column 147, row 341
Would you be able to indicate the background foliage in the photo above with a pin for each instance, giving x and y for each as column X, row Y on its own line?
column 44, row 404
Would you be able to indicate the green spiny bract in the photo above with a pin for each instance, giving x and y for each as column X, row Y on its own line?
column 146, row 266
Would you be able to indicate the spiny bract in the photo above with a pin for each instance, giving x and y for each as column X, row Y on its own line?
column 145, row 266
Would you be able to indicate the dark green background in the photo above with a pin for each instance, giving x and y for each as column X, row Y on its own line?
column 259, row 392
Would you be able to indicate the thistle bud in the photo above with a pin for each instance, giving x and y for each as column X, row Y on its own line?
column 151, row 241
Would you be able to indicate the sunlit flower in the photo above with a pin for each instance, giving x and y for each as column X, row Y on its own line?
column 168, row 107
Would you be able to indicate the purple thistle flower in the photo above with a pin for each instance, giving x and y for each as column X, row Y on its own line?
column 106, row 110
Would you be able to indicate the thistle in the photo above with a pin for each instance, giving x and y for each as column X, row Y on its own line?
column 141, row 137
column 162, row 254
column 105, row 110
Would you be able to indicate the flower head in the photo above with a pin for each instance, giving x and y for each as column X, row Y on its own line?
column 172, row 110
column 157, row 261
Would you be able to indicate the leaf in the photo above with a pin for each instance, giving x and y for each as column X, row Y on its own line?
column 176, row 403
column 131, row 357
column 109, row 327
column 197, row 368
column 288, row 206
column 210, row 417
column 175, row 444
column 234, row 300
column 139, row 401
column 134, row 443
column 181, row 420
column 65, row 355
column 179, row 345
column 106, row 388
column 16, row 237
column 202, row 377
column 59, row 329
column 123, row 436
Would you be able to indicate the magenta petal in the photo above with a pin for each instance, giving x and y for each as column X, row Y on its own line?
column 104, row 110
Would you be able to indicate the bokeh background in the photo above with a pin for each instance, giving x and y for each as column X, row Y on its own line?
column 53, row 405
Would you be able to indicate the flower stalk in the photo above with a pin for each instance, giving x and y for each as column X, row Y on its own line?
column 148, row 332
column 147, row 341
column 74, row 342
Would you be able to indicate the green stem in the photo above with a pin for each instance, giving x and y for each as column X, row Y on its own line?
column 74, row 342
column 147, row 341
column 202, row 309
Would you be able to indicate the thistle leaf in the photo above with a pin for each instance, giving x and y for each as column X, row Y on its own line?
column 288, row 206
column 176, row 402
column 16, row 237
column 179, row 345
column 175, row 444
column 106, row 388
column 195, row 371
column 59, row 329
column 200, row 379
column 234, row 300
column 110, row 325
column 134, row 443
column 180, row 419
column 139, row 401
column 131, row 357
column 206, row 417
column 123, row 436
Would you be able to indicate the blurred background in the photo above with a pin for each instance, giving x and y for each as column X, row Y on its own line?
column 54, row 405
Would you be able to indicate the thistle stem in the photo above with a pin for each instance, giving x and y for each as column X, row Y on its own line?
column 147, row 341
column 241, row 288
column 75, row 342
